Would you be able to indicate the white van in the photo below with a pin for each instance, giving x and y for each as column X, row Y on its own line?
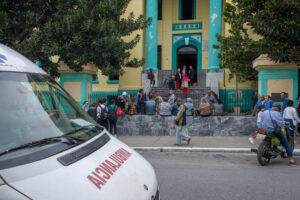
column 51, row 149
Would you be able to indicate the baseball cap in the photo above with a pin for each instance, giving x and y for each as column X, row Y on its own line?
column 124, row 93
column 276, row 105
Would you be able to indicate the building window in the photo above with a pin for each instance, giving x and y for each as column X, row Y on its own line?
column 113, row 79
column 159, row 14
column 187, row 9
column 159, row 57
column 95, row 78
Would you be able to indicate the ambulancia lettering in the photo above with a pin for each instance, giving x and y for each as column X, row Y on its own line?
column 108, row 168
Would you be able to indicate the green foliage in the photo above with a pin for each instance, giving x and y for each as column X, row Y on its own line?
column 238, row 50
column 78, row 31
column 277, row 21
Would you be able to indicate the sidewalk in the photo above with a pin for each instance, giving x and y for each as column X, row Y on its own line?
column 237, row 144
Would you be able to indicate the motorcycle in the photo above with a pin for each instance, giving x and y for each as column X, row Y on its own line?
column 271, row 147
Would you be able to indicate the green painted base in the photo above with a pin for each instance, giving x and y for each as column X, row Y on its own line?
column 229, row 99
column 213, row 68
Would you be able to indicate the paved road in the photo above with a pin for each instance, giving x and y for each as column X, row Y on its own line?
column 212, row 176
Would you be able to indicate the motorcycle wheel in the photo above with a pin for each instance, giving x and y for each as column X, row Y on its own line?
column 262, row 156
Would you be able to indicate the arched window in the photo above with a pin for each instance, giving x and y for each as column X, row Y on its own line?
column 187, row 50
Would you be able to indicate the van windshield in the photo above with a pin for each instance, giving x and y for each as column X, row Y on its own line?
column 34, row 107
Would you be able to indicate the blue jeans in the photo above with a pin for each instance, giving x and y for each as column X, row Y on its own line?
column 286, row 144
column 180, row 134
column 291, row 132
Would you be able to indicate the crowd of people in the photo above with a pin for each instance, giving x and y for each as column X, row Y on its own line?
column 106, row 114
column 269, row 116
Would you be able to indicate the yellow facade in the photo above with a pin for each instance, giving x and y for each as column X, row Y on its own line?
column 131, row 80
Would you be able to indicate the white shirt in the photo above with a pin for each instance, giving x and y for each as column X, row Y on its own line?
column 99, row 108
column 290, row 113
column 259, row 116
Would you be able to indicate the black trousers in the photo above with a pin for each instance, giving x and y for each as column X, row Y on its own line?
column 112, row 125
column 104, row 123
column 152, row 82
column 141, row 109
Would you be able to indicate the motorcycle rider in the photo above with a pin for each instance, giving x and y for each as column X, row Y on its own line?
column 268, row 125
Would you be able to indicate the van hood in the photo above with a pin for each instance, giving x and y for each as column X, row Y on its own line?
column 114, row 171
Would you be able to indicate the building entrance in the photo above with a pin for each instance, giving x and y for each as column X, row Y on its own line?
column 187, row 55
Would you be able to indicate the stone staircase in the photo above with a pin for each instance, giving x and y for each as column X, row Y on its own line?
column 195, row 93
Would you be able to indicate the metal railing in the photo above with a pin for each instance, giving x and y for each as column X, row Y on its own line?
column 237, row 101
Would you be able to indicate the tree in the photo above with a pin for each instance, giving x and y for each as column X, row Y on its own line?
column 276, row 21
column 238, row 49
column 78, row 31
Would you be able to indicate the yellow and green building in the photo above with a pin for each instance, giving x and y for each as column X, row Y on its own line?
column 182, row 32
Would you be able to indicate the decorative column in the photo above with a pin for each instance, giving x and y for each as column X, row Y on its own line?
column 151, row 36
column 215, row 26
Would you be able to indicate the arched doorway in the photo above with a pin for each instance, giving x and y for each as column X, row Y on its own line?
column 187, row 55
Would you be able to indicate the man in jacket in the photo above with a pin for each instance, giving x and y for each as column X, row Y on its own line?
column 272, row 118
column 179, row 122
column 141, row 102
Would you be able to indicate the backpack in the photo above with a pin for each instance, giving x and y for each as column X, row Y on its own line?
column 112, row 114
column 104, row 114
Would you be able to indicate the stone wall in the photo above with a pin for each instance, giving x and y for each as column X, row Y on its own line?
column 196, row 126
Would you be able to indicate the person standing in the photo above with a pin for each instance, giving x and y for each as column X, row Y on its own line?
column 85, row 106
column 191, row 75
column 132, row 109
column 285, row 99
column 180, row 122
column 183, row 72
column 178, row 77
column 172, row 83
column 185, row 81
column 298, row 104
column 99, row 109
column 269, row 103
column 93, row 111
column 151, row 77
column 122, row 101
column 189, row 107
column 261, row 101
column 272, row 118
column 103, row 114
column 113, row 117
column 141, row 102
column 290, row 115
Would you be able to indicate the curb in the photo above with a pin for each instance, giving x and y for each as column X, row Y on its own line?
column 202, row 149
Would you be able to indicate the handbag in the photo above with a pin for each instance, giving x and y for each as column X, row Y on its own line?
column 277, row 129
column 119, row 111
